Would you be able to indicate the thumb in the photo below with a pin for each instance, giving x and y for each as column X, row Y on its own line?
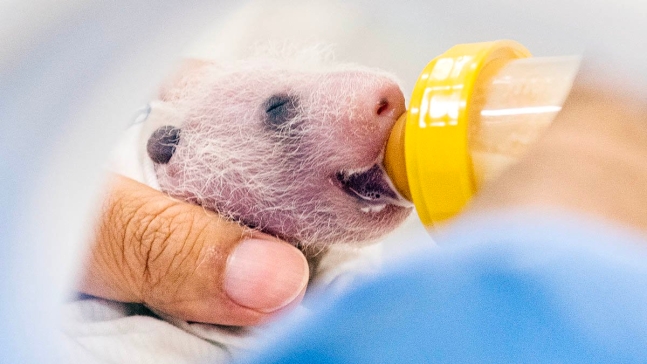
column 187, row 262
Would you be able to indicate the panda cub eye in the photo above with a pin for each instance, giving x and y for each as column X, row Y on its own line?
column 279, row 109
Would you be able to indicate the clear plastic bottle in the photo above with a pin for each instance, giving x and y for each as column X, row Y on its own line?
column 474, row 111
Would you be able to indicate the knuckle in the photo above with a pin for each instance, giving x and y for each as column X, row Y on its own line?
column 170, row 252
column 165, row 247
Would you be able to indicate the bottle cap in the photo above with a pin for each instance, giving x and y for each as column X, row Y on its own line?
column 439, row 177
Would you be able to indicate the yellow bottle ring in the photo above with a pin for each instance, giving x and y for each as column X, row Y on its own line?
column 438, row 164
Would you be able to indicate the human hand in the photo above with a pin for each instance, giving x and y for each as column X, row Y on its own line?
column 591, row 160
column 182, row 260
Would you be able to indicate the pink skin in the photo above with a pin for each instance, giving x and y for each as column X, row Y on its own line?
column 280, row 176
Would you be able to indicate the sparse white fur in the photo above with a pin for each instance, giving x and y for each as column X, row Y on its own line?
column 228, row 160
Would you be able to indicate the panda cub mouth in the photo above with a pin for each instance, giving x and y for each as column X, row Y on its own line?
column 372, row 188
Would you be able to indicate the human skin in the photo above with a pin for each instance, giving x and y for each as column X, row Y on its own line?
column 185, row 261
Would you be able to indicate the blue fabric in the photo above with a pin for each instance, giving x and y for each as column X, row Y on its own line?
column 515, row 288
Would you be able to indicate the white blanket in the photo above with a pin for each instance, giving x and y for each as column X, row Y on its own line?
column 100, row 331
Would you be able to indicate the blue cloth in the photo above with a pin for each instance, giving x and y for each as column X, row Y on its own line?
column 513, row 288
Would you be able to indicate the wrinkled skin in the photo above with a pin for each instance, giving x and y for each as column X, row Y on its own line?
column 290, row 147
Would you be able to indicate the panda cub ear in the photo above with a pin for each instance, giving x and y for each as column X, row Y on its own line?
column 185, row 75
column 162, row 143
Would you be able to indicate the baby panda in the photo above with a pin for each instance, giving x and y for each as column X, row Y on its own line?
column 289, row 145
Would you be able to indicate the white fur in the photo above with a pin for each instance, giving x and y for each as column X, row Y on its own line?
column 228, row 161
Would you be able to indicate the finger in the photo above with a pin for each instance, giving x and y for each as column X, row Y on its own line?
column 188, row 262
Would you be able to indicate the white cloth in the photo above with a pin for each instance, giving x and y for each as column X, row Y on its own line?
column 100, row 331
column 106, row 332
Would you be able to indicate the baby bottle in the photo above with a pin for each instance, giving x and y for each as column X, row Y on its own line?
column 474, row 111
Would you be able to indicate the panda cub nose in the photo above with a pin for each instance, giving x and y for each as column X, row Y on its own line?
column 162, row 143
column 390, row 102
